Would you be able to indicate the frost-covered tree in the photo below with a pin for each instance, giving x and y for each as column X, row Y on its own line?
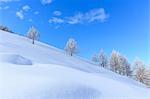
column 119, row 64
column 114, row 61
column 124, row 66
column 71, row 46
column 140, row 71
column 147, row 77
column 33, row 34
column 103, row 59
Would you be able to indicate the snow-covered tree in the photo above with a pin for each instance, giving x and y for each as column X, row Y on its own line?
column 33, row 34
column 114, row 61
column 140, row 72
column 147, row 78
column 103, row 59
column 71, row 46
column 119, row 64
column 124, row 66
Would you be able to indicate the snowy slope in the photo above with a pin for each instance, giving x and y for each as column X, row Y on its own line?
column 41, row 71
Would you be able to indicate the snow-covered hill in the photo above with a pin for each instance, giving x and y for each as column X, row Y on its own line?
column 41, row 71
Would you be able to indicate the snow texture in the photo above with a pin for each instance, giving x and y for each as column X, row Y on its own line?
column 53, row 74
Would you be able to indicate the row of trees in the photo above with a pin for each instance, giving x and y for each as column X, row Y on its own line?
column 120, row 64
column 116, row 62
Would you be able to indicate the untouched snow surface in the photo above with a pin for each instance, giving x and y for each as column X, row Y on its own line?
column 41, row 71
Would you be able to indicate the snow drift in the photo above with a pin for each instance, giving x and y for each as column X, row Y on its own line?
column 14, row 59
column 56, row 75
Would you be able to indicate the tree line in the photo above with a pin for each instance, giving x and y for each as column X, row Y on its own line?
column 118, row 63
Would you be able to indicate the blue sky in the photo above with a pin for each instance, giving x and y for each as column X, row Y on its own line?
column 122, row 25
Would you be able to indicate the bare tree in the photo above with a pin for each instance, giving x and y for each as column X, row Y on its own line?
column 33, row 34
column 71, row 46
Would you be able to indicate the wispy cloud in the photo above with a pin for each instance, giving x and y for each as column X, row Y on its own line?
column 20, row 14
column 94, row 15
column 57, row 13
column 44, row 2
column 78, row 18
column 56, row 20
column 6, row 1
column 88, row 17
column 26, row 8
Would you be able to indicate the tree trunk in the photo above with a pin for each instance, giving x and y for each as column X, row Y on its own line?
column 33, row 41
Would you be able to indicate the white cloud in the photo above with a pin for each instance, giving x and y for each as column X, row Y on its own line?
column 46, row 1
column 56, row 20
column 78, row 18
column 97, row 15
column 36, row 12
column 94, row 15
column 6, row 1
column 91, row 16
column 57, row 13
column 26, row 8
column 20, row 14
